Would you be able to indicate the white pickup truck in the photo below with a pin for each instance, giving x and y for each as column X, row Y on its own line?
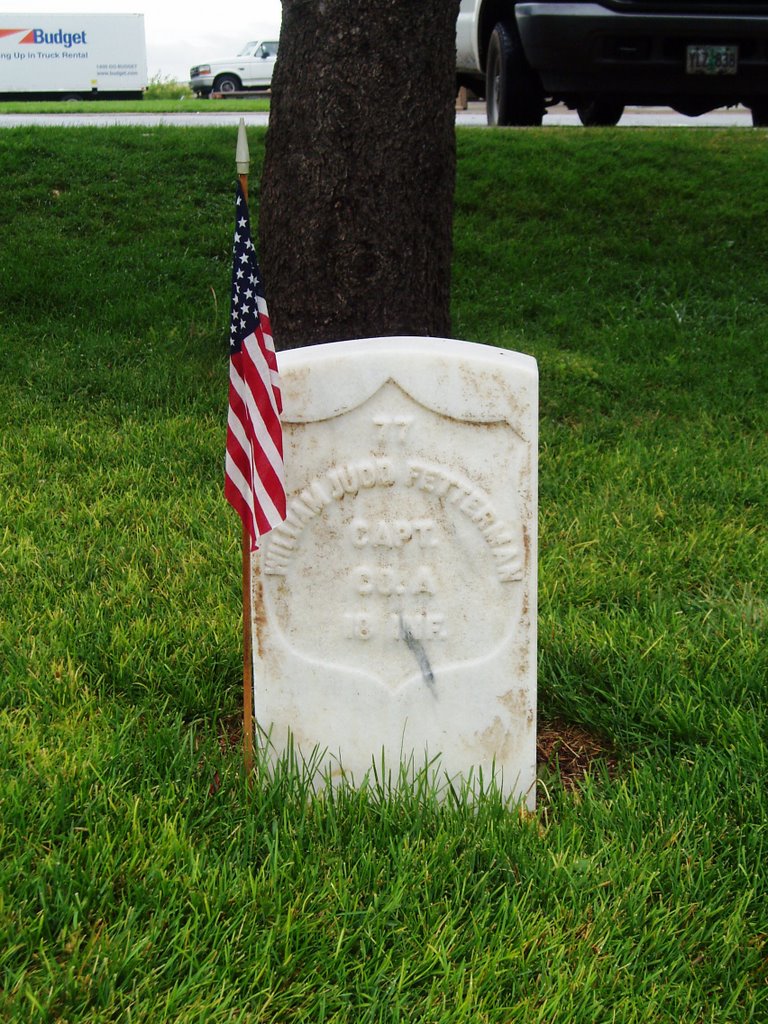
column 598, row 56
column 250, row 69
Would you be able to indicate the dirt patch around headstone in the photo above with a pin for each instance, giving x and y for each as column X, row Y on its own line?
column 571, row 752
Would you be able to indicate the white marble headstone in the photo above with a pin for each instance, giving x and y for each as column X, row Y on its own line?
column 394, row 612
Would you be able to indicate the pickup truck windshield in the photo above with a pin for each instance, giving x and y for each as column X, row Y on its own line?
column 259, row 49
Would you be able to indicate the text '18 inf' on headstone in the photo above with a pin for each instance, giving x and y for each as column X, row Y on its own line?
column 394, row 615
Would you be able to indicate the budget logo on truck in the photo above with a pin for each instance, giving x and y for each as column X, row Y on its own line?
column 38, row 36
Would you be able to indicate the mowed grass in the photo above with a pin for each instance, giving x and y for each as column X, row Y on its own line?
column 140, row 878
column 187, row 104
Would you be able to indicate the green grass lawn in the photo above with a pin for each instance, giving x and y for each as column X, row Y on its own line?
column 186, row 105
column 140, row 879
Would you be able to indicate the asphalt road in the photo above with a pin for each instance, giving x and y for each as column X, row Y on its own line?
column 474, row 115
column 633, row 117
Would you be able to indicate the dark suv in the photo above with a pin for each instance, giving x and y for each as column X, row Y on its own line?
column 600, row 57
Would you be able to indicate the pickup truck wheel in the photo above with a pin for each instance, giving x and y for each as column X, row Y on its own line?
column 513, row 92
column 603, row 113
column 226, row 83
column 760, row 114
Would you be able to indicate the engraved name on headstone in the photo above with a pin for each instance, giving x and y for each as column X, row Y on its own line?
column 395, row 609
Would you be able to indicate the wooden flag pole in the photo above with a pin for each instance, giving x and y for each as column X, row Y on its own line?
column 243, row 161
column 247, row 659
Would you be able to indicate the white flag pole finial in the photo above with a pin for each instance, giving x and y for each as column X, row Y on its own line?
column 242, row 156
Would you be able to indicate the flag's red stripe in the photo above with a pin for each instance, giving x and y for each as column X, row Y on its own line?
column 261, row 389
column 254, row 463
column 261, row 414
column 238, row 503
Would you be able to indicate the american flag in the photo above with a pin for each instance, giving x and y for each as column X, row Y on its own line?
column 254, row 482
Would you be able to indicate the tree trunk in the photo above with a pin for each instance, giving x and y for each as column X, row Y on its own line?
column 357, row 187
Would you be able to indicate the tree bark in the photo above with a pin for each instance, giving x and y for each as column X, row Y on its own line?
column 357, row 187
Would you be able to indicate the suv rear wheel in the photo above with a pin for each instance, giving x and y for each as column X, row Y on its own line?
column 514, row 94
column 600, row 112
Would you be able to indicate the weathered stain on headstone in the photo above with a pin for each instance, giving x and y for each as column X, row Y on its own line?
column 399, row 595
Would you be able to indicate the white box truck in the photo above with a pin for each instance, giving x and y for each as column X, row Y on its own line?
column 72, row 56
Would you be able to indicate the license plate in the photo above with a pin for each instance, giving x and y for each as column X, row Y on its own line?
column 712, row 60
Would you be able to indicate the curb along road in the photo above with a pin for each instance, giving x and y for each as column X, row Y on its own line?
column 474, row 115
